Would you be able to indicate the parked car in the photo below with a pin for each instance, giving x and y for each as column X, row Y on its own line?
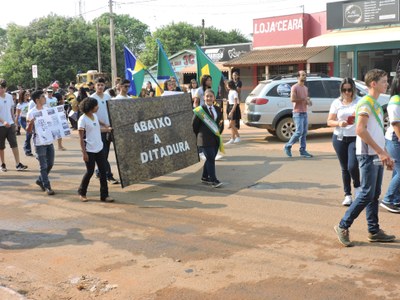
column 268, row 106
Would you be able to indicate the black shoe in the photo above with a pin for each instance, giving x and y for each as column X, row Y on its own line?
column 40, row 184
column 21, row 167
column 216, row 183
column 112, row 180
column 28, row 154
column 107, row 199
column 49, row 192
column 390, row 207
column 3, row 168
column 205, row 180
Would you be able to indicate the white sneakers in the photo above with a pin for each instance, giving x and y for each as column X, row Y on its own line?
column 233, row 141
column 347, row 200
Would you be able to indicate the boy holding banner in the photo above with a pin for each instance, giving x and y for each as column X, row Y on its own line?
column 205, row 120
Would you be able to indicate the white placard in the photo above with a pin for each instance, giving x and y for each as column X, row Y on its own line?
column 34, row 71
column 50, row 124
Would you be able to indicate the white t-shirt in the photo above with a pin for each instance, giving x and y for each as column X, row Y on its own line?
column 23, row 107
column 393, row 111
column 232, row 95
column 30, row 116
column 102, row 113
column 200, row 94
column 93, row 140
column 343, row 111
column 119, row 96
column 374, row 129
column 6, row 106
column 51, row 102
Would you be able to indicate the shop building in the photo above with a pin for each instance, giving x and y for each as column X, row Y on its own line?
column 279, row 47
column 364, row 35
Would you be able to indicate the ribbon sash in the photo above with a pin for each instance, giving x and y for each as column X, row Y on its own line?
column 372, row 103
column 210, row 123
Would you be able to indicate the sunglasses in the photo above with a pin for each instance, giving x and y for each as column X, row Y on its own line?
column 347, row 90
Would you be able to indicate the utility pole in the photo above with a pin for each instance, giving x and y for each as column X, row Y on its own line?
column 80, row 9
column 203, row 31
column 98, row 48
column 112, row 45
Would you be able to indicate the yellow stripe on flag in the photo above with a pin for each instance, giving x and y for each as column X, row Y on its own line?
column 205, row 70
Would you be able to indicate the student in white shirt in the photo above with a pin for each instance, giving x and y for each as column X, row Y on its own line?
column 92, row 148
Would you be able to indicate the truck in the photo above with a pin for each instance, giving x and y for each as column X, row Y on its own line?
column 82, row 79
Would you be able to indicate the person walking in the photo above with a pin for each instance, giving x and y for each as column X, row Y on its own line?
column 92, row 148
column 342, row 117
column 8, row 128
column 20, row 118
column 205, row 83
column 205, row 125
column 44, row 152
column 102, row 115
column 299, row 97
column 391, row 201
column 370, row 147
column 233, row 112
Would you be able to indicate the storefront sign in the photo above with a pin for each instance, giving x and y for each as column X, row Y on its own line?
column 226, row 52
column 278, row 31
column 352, row 14
column 152, row 136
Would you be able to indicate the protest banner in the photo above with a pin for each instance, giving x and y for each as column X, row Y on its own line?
column 50, row 124
column 152, row 136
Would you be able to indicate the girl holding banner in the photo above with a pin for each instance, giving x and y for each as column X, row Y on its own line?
column 205, row 120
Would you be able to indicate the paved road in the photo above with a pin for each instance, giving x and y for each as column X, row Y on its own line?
column 266, row 234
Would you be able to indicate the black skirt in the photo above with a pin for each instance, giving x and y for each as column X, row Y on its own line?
column 236, row 114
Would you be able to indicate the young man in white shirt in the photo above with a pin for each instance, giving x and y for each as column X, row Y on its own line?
column 370, row 148
column 44, row 152
column 7, row 128
column 123, row 89
column 102, row 115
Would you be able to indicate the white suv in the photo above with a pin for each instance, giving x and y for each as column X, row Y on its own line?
column 268, row 105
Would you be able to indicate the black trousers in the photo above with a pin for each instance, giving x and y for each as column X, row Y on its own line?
column 99, row 159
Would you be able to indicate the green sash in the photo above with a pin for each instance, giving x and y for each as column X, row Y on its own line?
column 375, row 107
column 210, row 123
column 394, row 100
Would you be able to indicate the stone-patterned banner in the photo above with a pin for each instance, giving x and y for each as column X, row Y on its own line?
column 152, row 136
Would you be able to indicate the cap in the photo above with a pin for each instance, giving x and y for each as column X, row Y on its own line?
column 49, row 89
column 55, row 85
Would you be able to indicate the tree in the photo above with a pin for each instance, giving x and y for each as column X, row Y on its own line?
column 61, row 47
column 128, row 31
column 180, row 36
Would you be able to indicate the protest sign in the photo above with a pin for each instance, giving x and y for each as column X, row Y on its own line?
column 152, row 136
column 50, row 124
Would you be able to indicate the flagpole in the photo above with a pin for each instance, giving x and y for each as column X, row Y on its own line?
column 153, row 79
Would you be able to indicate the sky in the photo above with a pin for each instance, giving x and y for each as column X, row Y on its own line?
column 222, row 14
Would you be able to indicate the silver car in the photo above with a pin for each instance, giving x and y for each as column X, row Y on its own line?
column 268, row 106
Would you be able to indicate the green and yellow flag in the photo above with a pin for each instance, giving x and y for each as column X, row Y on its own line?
column 205, row 66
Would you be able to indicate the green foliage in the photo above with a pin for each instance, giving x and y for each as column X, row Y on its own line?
column 61, row 46
column 181, row 36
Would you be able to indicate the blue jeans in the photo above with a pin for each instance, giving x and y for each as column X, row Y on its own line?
column 209, row 165
column 346, row 153
column 301, row 122
column 393, row 193
column 371, row 184
column 45, row 156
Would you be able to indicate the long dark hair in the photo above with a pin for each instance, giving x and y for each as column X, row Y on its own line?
column 348, row 80
column 204, row 80
column 395, row 87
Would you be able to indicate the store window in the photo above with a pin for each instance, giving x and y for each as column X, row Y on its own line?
column 282, row 69
column 346, row 64
column 319, row 68
column 380, row 59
